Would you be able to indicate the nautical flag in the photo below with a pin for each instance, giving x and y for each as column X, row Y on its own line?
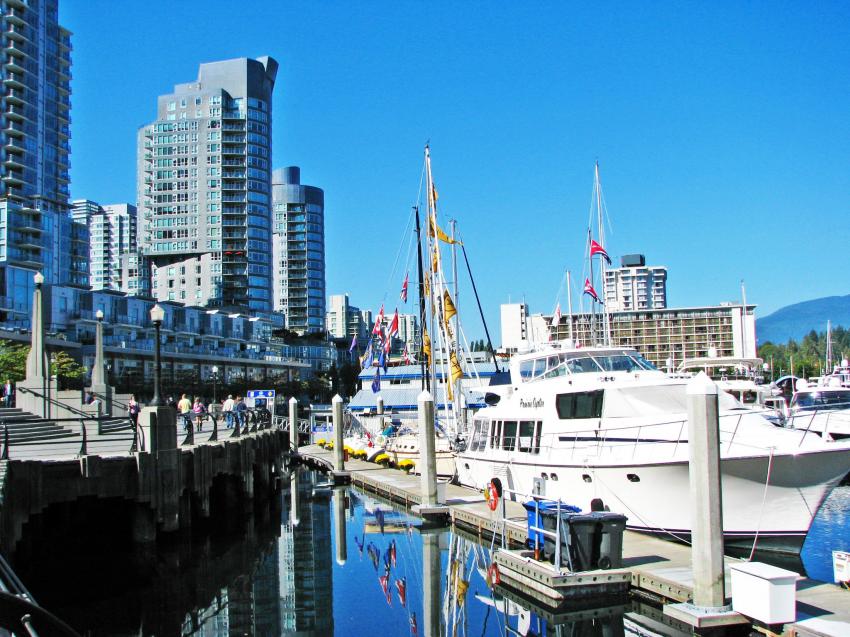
column 595, row 248
column 438, row 232
column 382, row 358
column 406, row 356
column 393, row 328
column 588, row 289
column 353, row 344
column 367, row 359
column 457, row 372
column 376, row 384
column 449, row 308
column 404, row 288
column 556, row 317
column 426, row 344
column 379, row 321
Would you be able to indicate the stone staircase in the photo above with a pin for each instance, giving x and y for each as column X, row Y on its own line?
column 24, row 427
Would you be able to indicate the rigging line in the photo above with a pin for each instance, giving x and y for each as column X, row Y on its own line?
column 480, row 310
column 763, row 500
column 397, row 255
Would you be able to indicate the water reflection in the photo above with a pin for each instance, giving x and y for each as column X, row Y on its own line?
column 289, row 571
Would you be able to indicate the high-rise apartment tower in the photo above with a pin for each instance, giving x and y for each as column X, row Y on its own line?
column 204, row 187
column 299, row 251
column 36, row 232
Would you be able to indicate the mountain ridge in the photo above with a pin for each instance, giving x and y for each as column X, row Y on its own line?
column 798, row 319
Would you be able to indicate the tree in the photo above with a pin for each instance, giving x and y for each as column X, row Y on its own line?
column 13, row 361
column 66, row 369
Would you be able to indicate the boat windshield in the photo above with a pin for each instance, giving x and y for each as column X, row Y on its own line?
column 561, row 364
column 833, row 399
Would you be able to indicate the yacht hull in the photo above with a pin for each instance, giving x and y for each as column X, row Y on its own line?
column 656, row 496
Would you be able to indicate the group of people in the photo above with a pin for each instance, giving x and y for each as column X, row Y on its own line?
column 233, row 410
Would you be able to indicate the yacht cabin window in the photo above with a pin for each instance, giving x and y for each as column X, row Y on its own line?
column 509, row 435
column 582, row 363
column 583, row 404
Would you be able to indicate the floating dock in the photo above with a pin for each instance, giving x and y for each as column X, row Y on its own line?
column 654, row 568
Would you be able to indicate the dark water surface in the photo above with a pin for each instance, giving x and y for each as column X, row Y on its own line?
column 331, row 562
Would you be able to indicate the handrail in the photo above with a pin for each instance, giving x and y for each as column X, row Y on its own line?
column 53, row 401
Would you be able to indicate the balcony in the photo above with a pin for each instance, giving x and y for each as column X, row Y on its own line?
column 14, row 80
column 14, row 129
column 12, row 65
column 13, row 179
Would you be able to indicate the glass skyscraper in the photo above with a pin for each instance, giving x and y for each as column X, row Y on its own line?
column 204, row 187
column 299, row 251
column 36, row 232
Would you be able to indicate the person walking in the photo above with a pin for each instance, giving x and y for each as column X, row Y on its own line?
column 199, row 410
column 227, row 409
column 8, row 392
column 183, row 408
column 133, row 410
column 241, row 410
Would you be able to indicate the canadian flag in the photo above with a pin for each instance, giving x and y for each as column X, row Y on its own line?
column 379, row 322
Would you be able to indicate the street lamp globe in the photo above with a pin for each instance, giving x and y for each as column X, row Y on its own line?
column 157, row 314
column 99, row 315
column 38, row 278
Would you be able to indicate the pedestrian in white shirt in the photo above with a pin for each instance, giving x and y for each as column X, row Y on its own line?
column 227, row 410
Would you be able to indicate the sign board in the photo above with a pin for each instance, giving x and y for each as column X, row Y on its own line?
column 841, row 566
column 261, row 397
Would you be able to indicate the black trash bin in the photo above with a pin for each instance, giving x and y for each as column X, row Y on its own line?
column 584, row 541
column 611, row 527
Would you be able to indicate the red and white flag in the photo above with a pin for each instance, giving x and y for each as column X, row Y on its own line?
column 588, row 289
column 404, row 288
column 379, row 322
column 556, row 317
column 595, row 248
column 393, row 329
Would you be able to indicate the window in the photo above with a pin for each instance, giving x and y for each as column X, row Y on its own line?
column 587, row 404
column 510, row 432
column 529, row 436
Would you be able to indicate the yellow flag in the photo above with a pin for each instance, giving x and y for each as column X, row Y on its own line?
column 434, row 262
column 448, row 307
column 457, row 372
column 434, row 194
column 426, row 345
column 436, row 231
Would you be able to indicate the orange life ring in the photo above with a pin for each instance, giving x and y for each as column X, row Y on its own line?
column 494, row 578
column 492, row 496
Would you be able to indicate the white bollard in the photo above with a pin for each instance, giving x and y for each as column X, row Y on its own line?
column 293, row 423
column 706, row 498
column 427, row 449
column 339, row 462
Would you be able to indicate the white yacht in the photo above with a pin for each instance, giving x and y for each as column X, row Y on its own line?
column 602, row 422
column 821, row 409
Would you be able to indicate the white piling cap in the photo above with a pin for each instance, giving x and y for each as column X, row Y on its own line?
column 293, row 400
column 425, row 396
column 336, row 399
column 701, row 385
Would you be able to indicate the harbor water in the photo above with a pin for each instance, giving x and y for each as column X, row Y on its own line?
column 322, row 561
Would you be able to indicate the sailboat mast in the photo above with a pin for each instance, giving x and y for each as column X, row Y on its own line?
column 743, row 319
column 432, row 210
column 456, row 326
column 426, row 380
column 828, row 368
column 606, row 331
column 570, row 308
column 593, row 340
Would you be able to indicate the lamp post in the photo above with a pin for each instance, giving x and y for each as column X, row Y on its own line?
column 157, row 315
column 215, row 380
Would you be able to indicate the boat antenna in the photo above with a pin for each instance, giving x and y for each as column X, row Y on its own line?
column 480, row 311
column 606, row 331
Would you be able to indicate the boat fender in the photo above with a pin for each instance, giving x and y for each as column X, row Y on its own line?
column 491, row 493
column 494, row 578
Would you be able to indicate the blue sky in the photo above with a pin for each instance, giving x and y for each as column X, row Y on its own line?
column 721, row 130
